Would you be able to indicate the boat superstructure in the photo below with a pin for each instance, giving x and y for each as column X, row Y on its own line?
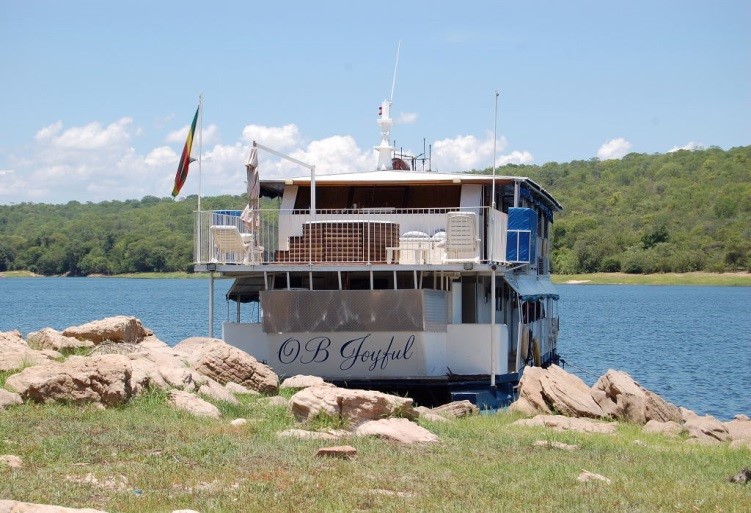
column 435, row 284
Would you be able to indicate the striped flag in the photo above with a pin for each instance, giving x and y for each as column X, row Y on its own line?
column 185, row 160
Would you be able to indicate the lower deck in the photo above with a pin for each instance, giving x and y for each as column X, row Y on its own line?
column 437, row 333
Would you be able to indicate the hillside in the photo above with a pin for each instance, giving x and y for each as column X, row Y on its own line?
column 677, row 212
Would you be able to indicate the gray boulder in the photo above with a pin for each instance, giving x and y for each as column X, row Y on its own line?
column 15, row 353
column 632, row 402
column 351, row 405
column 120, row 328
column 224, row 363
column 192, row 404
column 553, row 390
column 8, row 399
column 396, row 430
column 100, row 379
column 49, row 338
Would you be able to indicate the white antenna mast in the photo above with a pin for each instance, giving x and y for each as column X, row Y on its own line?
column 385, row 150
column 396, row 64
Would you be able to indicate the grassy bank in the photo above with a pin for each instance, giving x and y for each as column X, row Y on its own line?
column 695, row 278
column 147, row 457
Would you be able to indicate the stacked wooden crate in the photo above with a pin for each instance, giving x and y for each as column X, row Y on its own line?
column 343, row 242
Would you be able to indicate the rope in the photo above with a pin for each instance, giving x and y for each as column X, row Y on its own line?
column 580, row 369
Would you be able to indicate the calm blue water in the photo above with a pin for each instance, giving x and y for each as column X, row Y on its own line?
column 692, row 345
column 173, row 309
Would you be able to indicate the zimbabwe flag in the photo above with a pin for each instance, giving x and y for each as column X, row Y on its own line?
column 182, row 168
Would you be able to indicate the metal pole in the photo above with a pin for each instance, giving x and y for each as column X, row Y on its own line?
column 211, row 304
column 200, row 147
column 493, row 341
column 495, row 138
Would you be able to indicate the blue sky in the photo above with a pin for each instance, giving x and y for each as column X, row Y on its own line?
column 97, row 96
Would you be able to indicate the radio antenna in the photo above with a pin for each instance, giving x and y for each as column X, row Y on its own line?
column 393, row 82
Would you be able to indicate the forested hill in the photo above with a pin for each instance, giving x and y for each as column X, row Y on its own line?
column 682, row 211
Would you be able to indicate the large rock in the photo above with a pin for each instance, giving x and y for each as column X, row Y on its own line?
column 301, row 381
column 224, row 363
column 633, row 402
column 120, row 328
column 9, row 399
column 352, row 405
column 669, row 428
column 739, row 428
column 166, row 368
column 456, row 409
column 427, row 414
column 49, row 338
column 553, row 390
column 562, row 423
column 12, row 341
column 192, row 404
column 706, row 429
column 396, row 430
column 28, row 507
column 100, row 379
column 15, row 353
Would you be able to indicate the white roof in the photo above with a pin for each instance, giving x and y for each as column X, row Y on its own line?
column 410, row 177
column 393, row 176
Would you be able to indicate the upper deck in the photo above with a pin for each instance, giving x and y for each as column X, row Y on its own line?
column 390, row 220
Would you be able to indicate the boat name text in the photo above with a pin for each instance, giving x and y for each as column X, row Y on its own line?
column 317, row 350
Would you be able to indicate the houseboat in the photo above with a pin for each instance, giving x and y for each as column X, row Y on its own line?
column 435, row 285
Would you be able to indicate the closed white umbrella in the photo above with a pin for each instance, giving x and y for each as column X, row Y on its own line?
column 251, row 216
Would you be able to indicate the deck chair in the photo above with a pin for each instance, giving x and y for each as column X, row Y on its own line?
column 230, row 247
column 462, row 243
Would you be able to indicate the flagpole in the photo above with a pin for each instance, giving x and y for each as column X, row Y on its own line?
column 200, row 147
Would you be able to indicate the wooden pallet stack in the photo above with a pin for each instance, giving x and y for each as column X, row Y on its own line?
column 341, row 242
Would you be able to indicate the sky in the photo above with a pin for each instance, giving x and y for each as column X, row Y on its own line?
column 97, row 97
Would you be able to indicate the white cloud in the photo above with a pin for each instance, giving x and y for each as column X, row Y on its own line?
column 280, row 138
column 160, row 156
column 467, row 152
column 97, row 162
column 614, row 149
column 49, row 131
column 691, row 146
column 210, row 135
column 516, row 157
column 87, row 137
column 406, row 118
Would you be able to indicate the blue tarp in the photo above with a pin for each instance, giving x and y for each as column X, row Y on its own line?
column 532, row 288
column 521, row 235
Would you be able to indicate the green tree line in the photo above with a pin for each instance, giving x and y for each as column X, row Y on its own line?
column 676, row 212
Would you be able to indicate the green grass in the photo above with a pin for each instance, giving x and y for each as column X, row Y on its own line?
column 170, row 460
column 695, row 278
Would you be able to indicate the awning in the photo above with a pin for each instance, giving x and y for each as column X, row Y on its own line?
column 531, row 288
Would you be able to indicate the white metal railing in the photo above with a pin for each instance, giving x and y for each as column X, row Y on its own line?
column 365, row 235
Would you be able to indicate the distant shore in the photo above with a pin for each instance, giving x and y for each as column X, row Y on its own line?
column 738, row 279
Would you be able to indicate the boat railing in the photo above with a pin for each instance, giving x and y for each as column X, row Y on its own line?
column 414, row 236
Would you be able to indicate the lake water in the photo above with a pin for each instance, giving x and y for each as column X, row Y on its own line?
column 692, row 345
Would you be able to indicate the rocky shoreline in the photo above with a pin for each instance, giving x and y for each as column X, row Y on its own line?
column 113, row 360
